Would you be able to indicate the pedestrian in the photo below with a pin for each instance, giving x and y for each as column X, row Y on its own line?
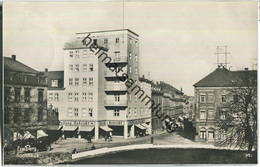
column 93, row 147
column 90, row 139
column 74, row 151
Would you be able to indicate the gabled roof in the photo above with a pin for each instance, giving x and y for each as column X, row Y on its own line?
column 222, row 77
column 14, row 65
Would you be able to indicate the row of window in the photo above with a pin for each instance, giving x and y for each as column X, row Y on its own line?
column 85, row 96
column 85, row 81
column 133, row 112
column 210, row 134
column 85, row 113
column 18, row 95
column 211, row 114
column 85, row 67
column 211, row 98
column 24, row 116
column 53, row 96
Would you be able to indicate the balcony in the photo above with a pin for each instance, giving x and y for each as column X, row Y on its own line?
column 112, row 74
column 118, row 60
column 115, row 87
column 112, row 103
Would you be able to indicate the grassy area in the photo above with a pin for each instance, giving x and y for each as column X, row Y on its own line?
column 171, row 156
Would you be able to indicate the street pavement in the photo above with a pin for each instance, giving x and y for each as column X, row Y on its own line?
column 82, row 145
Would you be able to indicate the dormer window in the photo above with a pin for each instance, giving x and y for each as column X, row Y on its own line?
column 54, row 83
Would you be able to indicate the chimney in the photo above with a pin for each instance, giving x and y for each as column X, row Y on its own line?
column 143, row 76
column 46, row 69
column 246, row 69
column 14, row 57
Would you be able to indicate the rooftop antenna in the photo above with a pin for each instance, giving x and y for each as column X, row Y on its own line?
column 222, row 50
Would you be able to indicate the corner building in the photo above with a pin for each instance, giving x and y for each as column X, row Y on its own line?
column 94, row 100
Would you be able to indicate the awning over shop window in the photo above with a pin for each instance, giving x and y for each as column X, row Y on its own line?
column 106, row 128
column 86, row 128
column 41, row 133
column 17, row 136
column 140, row 127
column 28, row 135
column 145, row 125
column 69, row 128
column 53, row 127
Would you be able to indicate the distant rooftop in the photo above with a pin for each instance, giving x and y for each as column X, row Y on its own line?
column 55, row 75
column 109, row 31
column 222, row 77
column 11, row 64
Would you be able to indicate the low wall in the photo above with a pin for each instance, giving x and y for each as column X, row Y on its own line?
column 112, row 149
column 105, row 150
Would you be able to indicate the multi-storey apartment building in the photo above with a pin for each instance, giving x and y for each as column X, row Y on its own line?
column 170, row 100
column 157, row 97
column 212, row 94
column 25, row 103
column 94, row 99
column 55, row 98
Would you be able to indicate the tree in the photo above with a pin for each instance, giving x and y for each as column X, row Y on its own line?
column 238, row 124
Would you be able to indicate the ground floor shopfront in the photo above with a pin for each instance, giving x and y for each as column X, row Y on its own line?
column 103, row 129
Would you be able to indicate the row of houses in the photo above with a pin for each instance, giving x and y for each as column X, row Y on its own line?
column 88, row 97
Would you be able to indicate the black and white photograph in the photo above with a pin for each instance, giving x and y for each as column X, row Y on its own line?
column 129, row 82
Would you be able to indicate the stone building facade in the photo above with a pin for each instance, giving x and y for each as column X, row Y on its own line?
column 212, row 94
column 25, row 103
column 93, row 100
column 170, row 100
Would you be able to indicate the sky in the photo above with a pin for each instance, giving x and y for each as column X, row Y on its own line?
column 178, row 39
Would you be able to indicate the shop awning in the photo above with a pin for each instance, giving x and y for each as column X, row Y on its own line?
column 145, row 125
column 106, row 128
column 28, row 135
column 41, row 133
column 140, row 126
column 69, row 128
column 86, row 128
column 17, row 136
column 53, row 127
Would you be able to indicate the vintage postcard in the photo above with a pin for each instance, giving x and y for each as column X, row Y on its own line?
column 129, row 82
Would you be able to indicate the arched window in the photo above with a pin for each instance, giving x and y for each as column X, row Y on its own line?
column 203, row 133
column 211, row 134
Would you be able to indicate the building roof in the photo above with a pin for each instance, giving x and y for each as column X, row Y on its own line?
column 222, row 77
column 109, row 31
column 55, row 75
column 11, row 64
column 167, row 87
column 77, row 42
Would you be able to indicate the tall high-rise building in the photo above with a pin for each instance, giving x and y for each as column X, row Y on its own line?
column 95, row 98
